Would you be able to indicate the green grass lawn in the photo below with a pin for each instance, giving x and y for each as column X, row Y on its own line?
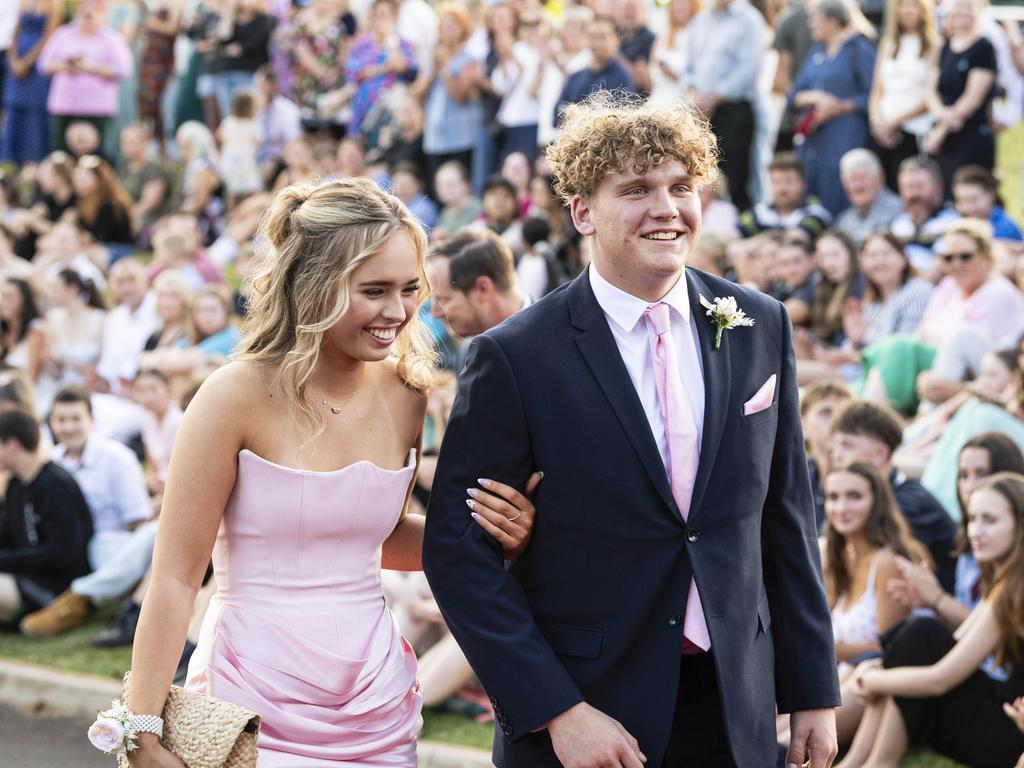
column 72, row 653
column 1010, row 153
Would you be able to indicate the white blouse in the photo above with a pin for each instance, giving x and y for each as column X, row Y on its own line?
column 904, row 81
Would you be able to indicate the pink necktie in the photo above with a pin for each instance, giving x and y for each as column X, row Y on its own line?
column 683, row 451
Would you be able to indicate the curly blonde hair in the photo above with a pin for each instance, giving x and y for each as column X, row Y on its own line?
column 603, row 134
column 315, row 236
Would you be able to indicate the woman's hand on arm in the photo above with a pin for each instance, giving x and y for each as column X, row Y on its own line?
column 505, row 513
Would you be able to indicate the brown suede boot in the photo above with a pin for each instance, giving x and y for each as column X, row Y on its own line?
column 65, row 613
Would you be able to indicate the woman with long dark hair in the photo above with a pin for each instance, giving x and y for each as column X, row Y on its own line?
column 23, row 337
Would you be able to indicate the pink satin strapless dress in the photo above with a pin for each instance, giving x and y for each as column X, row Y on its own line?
column 298, row 631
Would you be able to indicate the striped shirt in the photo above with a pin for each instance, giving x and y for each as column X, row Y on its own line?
column 812, row 217
column 900, row 313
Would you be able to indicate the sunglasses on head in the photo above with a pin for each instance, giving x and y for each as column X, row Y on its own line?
column 963, row 257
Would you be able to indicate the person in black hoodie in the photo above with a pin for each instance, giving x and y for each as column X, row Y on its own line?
column 45, row 523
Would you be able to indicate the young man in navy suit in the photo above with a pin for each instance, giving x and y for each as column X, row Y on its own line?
column 671, row 597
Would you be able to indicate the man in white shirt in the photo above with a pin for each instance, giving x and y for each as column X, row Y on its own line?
column 128, row 327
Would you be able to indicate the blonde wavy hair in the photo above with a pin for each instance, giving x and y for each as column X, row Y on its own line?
column 315, row 236
column 604, row 133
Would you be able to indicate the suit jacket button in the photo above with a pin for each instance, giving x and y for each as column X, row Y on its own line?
column 692, row 535
column 502, row 720
column 494, row 702
column 507, row 730
column 675, row 620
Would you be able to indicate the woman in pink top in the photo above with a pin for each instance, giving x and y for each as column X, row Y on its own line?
column 85, row 59
column 973, row 310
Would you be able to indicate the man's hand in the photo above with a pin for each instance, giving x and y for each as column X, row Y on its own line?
column 813, row 737
column 584, row 737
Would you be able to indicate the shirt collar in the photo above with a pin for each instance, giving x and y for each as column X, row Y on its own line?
column 625, row 309
column 85, row 459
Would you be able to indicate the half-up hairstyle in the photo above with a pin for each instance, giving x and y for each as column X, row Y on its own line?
column 315, row 237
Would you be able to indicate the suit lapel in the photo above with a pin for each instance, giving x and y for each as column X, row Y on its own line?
column 597, row 345
column 716, row 365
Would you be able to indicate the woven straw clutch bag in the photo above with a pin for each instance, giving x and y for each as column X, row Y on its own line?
column 205, row 732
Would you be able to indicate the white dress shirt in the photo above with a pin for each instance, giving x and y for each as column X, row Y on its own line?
column 634, row 336
column 124, row 337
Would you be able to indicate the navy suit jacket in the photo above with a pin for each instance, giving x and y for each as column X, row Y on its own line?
column 594, row 609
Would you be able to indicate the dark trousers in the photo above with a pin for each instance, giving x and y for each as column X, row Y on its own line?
column 891, row 158
column 698, row 733
column 733, row 124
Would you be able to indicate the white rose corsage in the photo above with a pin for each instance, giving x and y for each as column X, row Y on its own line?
column 725, row 315
column 112, row 731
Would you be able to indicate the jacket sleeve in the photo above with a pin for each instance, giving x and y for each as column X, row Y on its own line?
column 484, row 605
column 805, row 658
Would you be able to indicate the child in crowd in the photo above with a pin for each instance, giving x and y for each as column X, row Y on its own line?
column 241, row 136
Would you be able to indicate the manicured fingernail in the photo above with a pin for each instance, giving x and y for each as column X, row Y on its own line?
column 475, row 516
column 473, row 492
column 792, row 765
column 484, row 482
column 643, row 757
column 470, row 503
column 541, row 476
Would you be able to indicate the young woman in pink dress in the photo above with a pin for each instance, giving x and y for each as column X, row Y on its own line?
column 294, row 465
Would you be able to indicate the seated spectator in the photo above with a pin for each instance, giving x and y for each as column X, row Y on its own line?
column 11, row 265
column 605, row 71
column 916, row 587
column 718, row 217
column 128, row 327
column 24, row 341
column 755, row 262
column 865, row 536
column 894, row 299
column 636, row 41
column 408, row 186
column 103, row 206
column 461, row 208
column 201, row 191
column 924, row 216
column 538, row 270
column 85, row 58
column 176, row 246
column 402, row 138
column 211, row 332
column 791, row 207
column 873, row 206
column 818, row 406
column 74, row 325
column 108, row 473
column 871, row 433
column 564, row 238
column 55, row 192
column 83, row 138
column 501, row 212
column 711, row 255
column 148, row 183
column 798, row 271
column 45, row 533
column 67, row 246
column 299, row 164
column 516, row 80
column 174, row 294
column 160, row 424
column 516, row 167
column 976, row 195
column 932, row 692
column 841, row 280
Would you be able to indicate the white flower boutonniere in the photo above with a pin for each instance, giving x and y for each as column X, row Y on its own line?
column 725, row 315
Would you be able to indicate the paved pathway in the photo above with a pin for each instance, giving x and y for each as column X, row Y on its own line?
column 29, row 741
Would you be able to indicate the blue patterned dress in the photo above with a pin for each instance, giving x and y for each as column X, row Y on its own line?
column 26, row 130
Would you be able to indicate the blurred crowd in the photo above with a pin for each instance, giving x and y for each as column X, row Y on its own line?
column 142, row 140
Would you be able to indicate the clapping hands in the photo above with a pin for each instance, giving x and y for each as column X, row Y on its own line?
column 917, row 586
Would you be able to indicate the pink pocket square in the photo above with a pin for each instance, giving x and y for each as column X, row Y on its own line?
column 763, row 399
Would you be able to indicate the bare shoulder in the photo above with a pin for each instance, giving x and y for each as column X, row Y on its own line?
column 887, row 563
column 234, row 397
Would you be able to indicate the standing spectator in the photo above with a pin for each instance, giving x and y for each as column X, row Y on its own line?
column 379, row 60
column 976, row 193
column 873, row 206
column 417, row 23
column 605, row 72
column 85, row 59
column 243, row 35
column 159, row 425
column 960, row 95
column 724, row 43
column 792, row 42
column 669, row 54
column 501, row 212
column 453, row 112
column 502, row 23
column 44, row 535
column 517, row 79
column 279, row 116
column 26, row 130
column 898, row 108
column 240, row 137
column 791, row 207
column 202, row 189
column 162, row 24
column 315, row 45
column 408, row 186
column 831, row 95
column 636, row 41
